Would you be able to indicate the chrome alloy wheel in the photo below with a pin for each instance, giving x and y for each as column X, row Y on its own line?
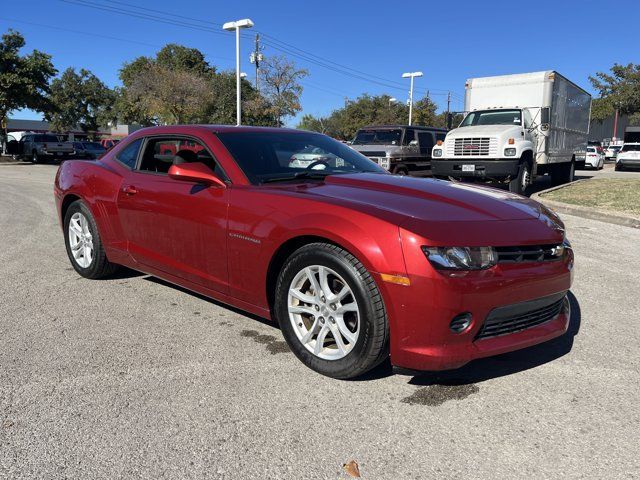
column 323, row 312
column 80, row 240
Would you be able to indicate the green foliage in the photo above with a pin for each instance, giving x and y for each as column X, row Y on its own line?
column 618, row 89
column 79, row 99
column 344, row 122
column 24, row 79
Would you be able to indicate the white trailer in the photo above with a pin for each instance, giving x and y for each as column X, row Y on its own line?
column 517, row 127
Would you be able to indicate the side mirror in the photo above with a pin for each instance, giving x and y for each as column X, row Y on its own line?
column 195, row 172
column 545, row 117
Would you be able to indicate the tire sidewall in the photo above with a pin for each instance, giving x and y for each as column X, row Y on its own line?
column 344, row 367
column 79, row 207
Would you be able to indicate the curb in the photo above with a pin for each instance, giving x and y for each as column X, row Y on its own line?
column 585, row 212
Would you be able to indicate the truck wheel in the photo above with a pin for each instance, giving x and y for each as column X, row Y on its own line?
column 401, row 171
column 34, row 157
column 563, row 173
column 519, row 184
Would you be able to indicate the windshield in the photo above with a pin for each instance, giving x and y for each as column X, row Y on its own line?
column 45, row 138
column 267, row 157
column 493, row 117
column 378, row 137
column 633, row 147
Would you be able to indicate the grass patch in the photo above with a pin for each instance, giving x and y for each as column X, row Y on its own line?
column 613, row 194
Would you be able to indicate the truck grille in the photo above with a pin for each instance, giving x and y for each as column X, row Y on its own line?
column 474, row 147
column 374, row 154
column 529, row 253
column 514, row 318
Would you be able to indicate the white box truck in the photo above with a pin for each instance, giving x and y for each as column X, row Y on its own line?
column 516, row 128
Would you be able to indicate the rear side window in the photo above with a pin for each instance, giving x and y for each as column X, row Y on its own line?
column 129, row 155
column 425, row 140
column 409, row 137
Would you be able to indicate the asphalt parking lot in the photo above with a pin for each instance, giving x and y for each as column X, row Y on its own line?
column 130, row 377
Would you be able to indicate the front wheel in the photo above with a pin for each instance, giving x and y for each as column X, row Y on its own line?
column 331, row 312
column 519, row 184
column 35, row 158
column 83, row 243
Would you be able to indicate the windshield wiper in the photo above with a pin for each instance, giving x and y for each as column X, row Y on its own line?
column 299, row 175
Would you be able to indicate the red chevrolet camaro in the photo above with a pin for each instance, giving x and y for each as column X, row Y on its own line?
column 355, row 264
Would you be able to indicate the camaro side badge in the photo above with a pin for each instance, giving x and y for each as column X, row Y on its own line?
column 244, row 237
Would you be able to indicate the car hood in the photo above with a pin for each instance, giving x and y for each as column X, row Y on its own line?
column 424, row 199
column 484, row 131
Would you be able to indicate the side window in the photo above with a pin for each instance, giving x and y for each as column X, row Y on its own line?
column 129, row 155
column 527, row 119
column 425, row 140
column 409, row 136
column 160, row 153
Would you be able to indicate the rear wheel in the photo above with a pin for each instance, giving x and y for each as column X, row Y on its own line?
column 35, row 158
column 83, row 243
column 562, row 173
column 331, row 312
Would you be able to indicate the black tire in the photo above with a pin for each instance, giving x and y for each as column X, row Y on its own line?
column 35, row 158
column 372, row 344
column 522, row 180
column 100, row 266
column 562, row 173
column 618, row 167
column 402, row 171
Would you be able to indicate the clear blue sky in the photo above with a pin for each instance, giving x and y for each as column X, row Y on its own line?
column 448, row 41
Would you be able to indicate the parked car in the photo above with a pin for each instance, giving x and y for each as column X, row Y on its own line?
column 354, row 263
column 597, row 144
column 628, row 156
column 89, row 150
column 612, row 151
column 400, row 149
column 518, row 127
column 40, row 146
column 313, row 157
column 109, row 143
column 594, row 158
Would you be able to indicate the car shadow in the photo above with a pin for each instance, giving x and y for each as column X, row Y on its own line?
column 244, row 313
column 493, row 367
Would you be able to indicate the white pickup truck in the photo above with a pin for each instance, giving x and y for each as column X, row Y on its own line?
column 517, row 127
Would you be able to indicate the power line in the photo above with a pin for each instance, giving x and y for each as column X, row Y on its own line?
column 274, row 43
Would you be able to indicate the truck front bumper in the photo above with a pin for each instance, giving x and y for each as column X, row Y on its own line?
column 475, row 168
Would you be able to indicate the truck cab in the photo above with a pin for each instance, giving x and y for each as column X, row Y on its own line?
column 490, row 144
column 401, row 149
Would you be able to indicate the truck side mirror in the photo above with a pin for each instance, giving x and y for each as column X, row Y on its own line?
column 449, row 120
column 545, row 117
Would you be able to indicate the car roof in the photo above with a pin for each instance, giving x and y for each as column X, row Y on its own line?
column 185, row 129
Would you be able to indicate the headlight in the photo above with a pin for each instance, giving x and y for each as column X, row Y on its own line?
column 437, row 152
column 461, row 258
column 509, row 152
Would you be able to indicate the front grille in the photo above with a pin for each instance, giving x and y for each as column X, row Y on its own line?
column 514, row 318
column 374, row 154
column 529, row 253
column 472, row 146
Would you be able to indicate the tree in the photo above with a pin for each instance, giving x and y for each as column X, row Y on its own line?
column 80, row 99
column 620, row 89
column 281, row 83
column 24, row 79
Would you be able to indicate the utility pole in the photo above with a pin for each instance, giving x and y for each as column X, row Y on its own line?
column 448, row 104
column 256, row 57
column 615, row 126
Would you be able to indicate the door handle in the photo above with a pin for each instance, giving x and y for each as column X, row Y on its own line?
column 130, row 190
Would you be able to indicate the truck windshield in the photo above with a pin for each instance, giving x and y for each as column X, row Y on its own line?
column 493, row 117
column 378, row 137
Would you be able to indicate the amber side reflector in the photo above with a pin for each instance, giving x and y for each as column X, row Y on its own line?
column 511, row 141
column 439, row 142
column 397, row 279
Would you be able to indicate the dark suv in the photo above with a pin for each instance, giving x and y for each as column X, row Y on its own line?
column 401, row 149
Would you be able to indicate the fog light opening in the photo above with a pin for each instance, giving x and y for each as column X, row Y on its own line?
column 460, row 322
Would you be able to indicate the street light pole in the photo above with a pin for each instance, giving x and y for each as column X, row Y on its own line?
column 411, row 75
column 230, row 26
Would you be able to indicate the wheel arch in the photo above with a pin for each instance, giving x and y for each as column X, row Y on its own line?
column 283, row 252
column 68, row 199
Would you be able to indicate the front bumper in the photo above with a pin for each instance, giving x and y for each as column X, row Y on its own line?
column 482, row 167
column 420, row 314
